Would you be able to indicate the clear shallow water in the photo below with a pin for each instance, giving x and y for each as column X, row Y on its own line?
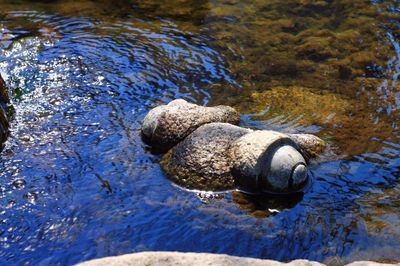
column 77, row 182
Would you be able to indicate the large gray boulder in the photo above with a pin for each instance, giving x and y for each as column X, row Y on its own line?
column 167, row 125
column 201, row 161
column 219, row 156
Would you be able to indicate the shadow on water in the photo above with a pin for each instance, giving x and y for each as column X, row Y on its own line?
column 77, row 183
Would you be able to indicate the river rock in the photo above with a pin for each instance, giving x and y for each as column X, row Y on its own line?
column 4, row 125
column 267, row 161
column 189, row 259
column 201, row 161
column 219, row 156
column 167, row 125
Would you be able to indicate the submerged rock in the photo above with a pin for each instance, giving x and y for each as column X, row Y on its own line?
column 167, row 125
column 220, row 156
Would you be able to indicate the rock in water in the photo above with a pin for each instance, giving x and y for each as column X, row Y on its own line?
column 201, row 161
column 3, row 92
column 219, row 156
column 167, row 125
column 4, row 125
column 267, row 161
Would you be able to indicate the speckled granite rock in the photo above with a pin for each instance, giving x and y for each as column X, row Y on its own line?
column 207, row 155
column 188, row 259
column 200, row 259
column 201, row 160
column 167, row 125
column 370, row 263
column 221, row 156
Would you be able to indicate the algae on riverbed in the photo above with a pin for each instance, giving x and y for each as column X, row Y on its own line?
column 330, row 64
column 338, row 118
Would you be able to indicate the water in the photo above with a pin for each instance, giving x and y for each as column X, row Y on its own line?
column 77, row 183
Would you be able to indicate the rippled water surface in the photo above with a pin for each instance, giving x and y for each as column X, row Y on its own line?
column 77, row 183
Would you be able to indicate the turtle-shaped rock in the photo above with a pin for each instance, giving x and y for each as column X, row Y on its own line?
column 208, row 152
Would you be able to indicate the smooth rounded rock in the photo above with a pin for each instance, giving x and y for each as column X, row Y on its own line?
column 218, row 156
column 299, row 174
column 167, row 125
column 266, row 161
column 201, row 160
column 287, row 169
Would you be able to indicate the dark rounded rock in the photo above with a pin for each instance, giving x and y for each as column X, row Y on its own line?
column 4, row 99
column 3, row 91
column 18, row 183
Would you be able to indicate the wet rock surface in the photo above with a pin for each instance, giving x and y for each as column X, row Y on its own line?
column 256, row 167
column 201, row 161
column 167, row 125
column 4, row 125
column 3, row 91
column 221, row 156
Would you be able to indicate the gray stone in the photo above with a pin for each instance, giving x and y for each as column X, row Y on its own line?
column 201, row 160
column 267, row 161
column 188, row 259
column 221, row 156
column 167, row 125
column 370, row 263
column 200, row 259
column 209, row 155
